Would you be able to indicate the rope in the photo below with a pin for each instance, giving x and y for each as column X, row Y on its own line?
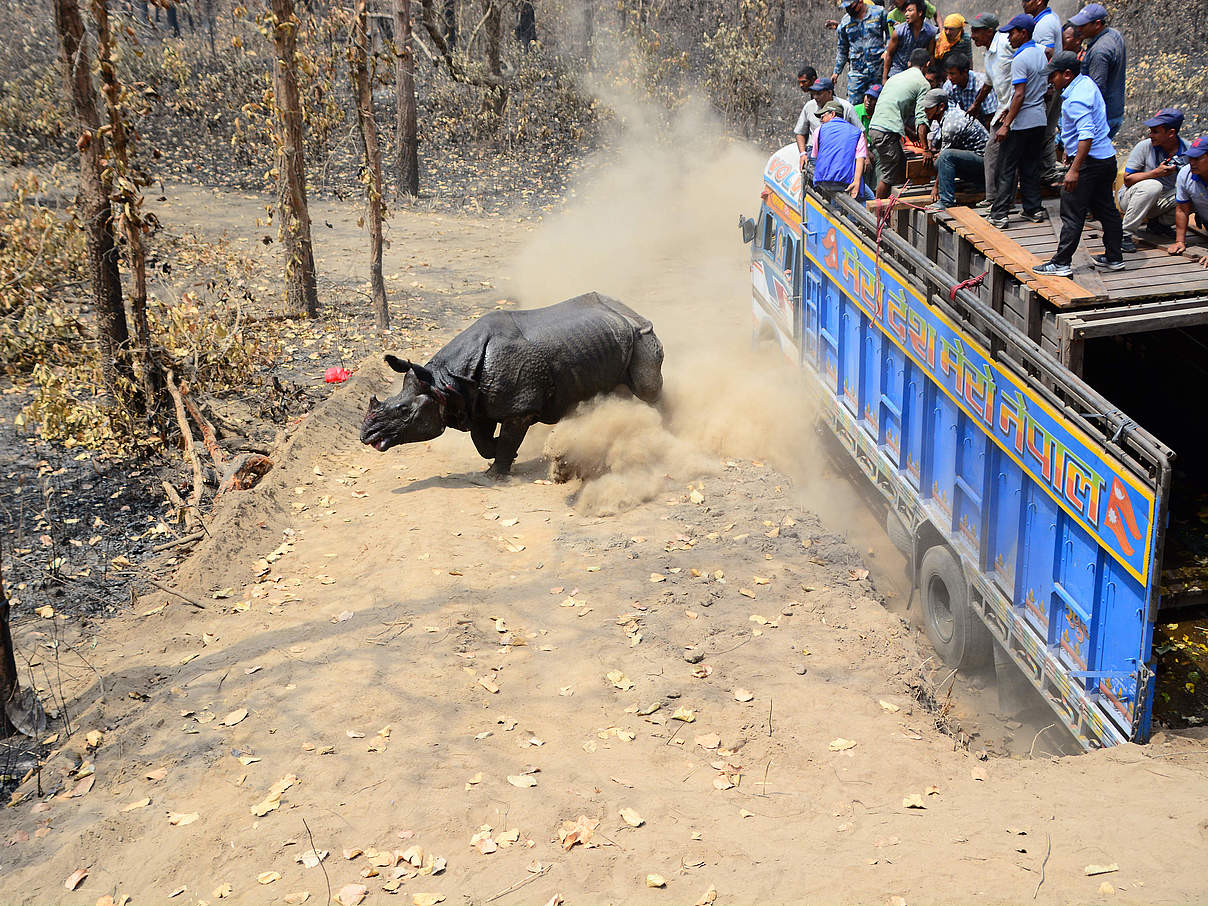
column 967, row 284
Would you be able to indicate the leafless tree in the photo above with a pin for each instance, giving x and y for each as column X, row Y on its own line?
column 407, row 129
column 301, row 293
column 363, row 94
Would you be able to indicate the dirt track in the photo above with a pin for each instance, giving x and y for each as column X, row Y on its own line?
column 431, row 655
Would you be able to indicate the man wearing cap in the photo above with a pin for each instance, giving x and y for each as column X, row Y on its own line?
column 868, row 106
column 1105, row 61
column 952, row 40
column 1149, row 177
column 1191, row 195
column 822, row 92
column 839, row 152
column 899, row 112
column 861, row 38
column 960, row 141
column 1021, row 130
column 1092, row 173
column 912, row 34
column 985, row 33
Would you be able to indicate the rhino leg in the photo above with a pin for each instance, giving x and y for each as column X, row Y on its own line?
column 511, row 436
column 646, row 368
column 483, row 435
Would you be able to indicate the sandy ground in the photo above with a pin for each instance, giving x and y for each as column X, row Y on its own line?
column 431, row 677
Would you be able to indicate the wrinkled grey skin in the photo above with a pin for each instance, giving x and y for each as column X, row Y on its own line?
column 509, row 370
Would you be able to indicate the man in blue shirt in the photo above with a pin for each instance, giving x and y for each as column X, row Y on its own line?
column 862, row 36
column 1191, row 195
column 1092, row 173
column 1021, row 130
column 1105, row 59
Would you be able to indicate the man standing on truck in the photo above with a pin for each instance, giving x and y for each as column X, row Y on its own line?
column 862, row 36
column 1092, row 174
column 1147, row 196
column 839, row 152
column 1021, row 130
column 916, row 32
column 899, row 112
column 1105, row 59
column 822, row 92
column 984, row 29
column 960, row 141
column 1191, row 195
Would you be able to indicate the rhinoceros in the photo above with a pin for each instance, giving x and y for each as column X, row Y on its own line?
column 511, row 369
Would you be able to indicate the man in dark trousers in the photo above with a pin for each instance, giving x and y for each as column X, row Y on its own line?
column 1090, row 180
column 1105, row 60
column 1021, row 131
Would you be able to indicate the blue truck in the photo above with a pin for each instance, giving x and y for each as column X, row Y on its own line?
column 1032, row 511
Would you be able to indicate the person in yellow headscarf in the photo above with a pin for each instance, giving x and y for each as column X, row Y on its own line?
column 952, row 39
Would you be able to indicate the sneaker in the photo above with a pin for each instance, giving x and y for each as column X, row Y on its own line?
column 935, row 208
column 984, row 205
column 998, row 223
column 1053, row 269
column 1035, row 217
column 1160, row 230
column 1127, row 244
column 1102, row 261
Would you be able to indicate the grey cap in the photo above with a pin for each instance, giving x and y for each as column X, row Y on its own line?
column 1064, row 61
column 984, row 20
column 934, row 98
column 832, row 107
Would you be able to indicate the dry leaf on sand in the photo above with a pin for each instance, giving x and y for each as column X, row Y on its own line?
column 268, row 877
column 742, row 695
column 580, row 830
column 180, row 819
column 914, row 800
column 234, row 717
column 75, row 879
column 351, row 894
column 840, row 744
column 1092, row 870
column 138, row 803
column 293, row 899
column 311, row 857
column 656, row 881
column 632, row 818
column 427, row 899
column 708, row 898
column 620, row 680
column 522, row 780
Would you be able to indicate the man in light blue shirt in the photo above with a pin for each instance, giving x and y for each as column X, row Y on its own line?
column 1021, row 130
column 1091, row 178
column 1191, row 195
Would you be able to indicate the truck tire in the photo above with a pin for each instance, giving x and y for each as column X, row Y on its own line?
column 957, row 635
column 899, row 534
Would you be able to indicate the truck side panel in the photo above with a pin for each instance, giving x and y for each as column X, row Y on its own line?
column 917, row 401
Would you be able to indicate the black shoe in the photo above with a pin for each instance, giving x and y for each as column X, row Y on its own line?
column 1127, row 244
column 1161, row 230
column 1035, row 216
column 1103, row 262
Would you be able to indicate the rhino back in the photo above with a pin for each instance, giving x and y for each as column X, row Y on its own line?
column 548, row 360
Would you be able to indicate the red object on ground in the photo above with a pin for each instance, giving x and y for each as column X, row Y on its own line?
column 336, row 375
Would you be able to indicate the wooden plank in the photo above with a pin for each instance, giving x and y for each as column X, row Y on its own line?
column 1081, row 261
column 1035, row 314
column 1137, row 323
column 1060, row 291
column 998, row 286
column 931, row 238
column 964, row 254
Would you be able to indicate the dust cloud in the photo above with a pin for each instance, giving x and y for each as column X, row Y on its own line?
column 654, row 223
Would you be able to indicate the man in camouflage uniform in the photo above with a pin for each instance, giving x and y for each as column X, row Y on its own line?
column 862, row 36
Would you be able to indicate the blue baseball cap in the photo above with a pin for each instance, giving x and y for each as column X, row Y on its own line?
column 1197, row 148
column 1023, row 20
column 1092, row 12
column 873, row 91
column 1167, row 116
column 823, row 85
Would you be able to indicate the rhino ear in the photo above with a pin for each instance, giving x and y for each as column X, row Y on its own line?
column 402, row 366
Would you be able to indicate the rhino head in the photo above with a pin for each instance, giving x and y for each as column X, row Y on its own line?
column 413, row 415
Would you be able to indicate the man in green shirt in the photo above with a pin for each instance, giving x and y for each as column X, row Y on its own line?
column 865, row 111
column 899, row 111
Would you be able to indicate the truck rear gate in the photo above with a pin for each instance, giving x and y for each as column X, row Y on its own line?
column 1031, row 501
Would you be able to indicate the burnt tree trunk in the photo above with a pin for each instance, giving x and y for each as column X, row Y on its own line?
column 129, row 198
column 97, row 212
column 301, row 293
column 449, row 11
column 209, row 14
column 363, row 91
column 496, row 97
column 9, row 685
column 589, row 24
column 407, row 128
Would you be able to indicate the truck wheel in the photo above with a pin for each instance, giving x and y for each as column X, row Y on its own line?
column 957, row 635
column 898, row 534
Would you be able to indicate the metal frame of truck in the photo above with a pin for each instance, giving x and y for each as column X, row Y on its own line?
column 1021, row 495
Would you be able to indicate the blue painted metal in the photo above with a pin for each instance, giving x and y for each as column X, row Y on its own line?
column 1058, row 529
